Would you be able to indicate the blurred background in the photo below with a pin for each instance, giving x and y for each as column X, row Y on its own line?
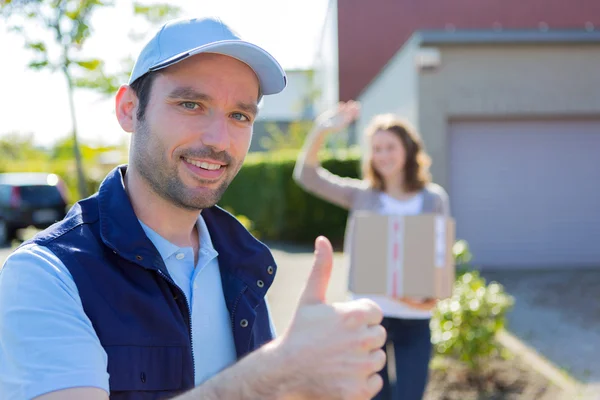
column 506, row 95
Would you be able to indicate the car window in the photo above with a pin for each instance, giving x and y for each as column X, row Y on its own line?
column 5, row 194
column 41, row 195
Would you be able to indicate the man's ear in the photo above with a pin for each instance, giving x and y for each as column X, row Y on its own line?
column 126, row 106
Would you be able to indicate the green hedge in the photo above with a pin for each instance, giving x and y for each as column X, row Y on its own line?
column 265, row 192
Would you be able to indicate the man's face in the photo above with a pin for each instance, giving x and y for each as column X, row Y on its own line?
column 197, row 129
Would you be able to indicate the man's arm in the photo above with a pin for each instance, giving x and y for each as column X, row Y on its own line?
column 88, row 393
column 257, row 376
column 47, row 342
column 329, row 351
column 254, row 377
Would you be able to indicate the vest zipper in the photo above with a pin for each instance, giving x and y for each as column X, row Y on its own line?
column 170, row 281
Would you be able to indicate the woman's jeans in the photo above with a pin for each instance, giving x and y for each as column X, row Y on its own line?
column 410, row 340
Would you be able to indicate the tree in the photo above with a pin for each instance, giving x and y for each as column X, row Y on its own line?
column 15, row 146
column 281, row 137
column 66, row 27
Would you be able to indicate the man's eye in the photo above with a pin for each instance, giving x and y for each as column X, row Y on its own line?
column 189, row 105
column 240, row 117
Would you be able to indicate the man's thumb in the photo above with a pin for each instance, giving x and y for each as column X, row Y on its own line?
column 316, row 286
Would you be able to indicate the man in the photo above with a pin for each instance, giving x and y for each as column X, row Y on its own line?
column 147, row 290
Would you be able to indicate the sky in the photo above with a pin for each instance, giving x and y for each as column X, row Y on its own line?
column 37, row 103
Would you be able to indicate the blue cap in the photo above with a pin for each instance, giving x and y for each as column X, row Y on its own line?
column 182, row 38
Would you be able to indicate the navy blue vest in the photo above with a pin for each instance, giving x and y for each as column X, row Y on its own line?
column 140, row 316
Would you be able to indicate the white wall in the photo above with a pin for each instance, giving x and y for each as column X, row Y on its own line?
column 394, row 90
column 288, row 105
column 326, row 61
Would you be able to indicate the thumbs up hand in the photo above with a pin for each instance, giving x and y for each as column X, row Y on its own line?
column 318, row 280
column 333, row 351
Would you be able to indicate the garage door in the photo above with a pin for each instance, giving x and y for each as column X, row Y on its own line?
column 527, row 193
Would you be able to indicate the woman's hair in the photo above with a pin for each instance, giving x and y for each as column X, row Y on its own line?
column 416, row 168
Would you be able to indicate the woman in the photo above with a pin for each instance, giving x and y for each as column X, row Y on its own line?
column 396, row 181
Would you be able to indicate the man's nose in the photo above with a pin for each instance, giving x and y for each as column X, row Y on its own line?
column 216, row 134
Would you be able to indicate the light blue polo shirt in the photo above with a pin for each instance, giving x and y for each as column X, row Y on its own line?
column 47, row 342
column 212, row 338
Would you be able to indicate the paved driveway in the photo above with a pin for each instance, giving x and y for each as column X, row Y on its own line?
column 558, row 314
column 294, row 265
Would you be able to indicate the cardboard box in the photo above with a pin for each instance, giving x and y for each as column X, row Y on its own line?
column 402, row 256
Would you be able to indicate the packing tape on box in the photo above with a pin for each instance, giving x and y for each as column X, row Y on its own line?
column 396, row 256
column 440, row 241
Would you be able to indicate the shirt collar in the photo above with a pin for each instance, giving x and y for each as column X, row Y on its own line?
column 167, row 249
column 204, row 237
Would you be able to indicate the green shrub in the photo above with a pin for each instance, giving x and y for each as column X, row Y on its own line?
column 462, row 257
column 249, row 225
column 265, row 192
column 464, row 326
column 245, row 221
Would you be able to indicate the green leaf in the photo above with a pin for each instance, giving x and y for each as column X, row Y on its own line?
column 16, row 29
column 80, row 32
column 38, row 46
column 90, row 65
column 99, row 82
column 140, row 9
column 102, row 3
column 156, row 13
column 37, row 65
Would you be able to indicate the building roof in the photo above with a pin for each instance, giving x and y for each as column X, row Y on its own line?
column 431, row 37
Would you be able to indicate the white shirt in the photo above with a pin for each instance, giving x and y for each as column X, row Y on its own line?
column 393, row 206
column 392, row 308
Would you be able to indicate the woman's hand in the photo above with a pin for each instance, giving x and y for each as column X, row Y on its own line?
column 418, row 304
column 338, row 118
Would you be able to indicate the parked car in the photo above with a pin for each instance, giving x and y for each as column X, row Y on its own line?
column 30, row 199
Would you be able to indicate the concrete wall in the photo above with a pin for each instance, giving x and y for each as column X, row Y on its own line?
column 394, row 90
column 326, row 61
column 292, row 103
column 504, row 81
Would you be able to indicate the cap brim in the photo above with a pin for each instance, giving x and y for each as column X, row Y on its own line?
column 270, row 74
